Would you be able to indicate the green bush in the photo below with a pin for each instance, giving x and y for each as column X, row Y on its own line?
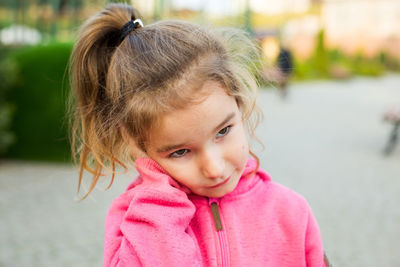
column 367, row 66
column 7, row 71
column 326, row 64
column 317, row 66
column 39, row 96
column 390, row 63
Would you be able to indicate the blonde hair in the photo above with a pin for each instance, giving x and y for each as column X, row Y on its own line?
column 156, row 69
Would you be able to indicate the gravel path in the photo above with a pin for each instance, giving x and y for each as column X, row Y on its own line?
column 325, row 141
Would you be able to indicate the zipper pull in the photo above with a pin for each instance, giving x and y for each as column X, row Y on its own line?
column 215, row 213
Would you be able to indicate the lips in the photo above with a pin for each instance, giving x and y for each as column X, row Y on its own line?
column 221, row 183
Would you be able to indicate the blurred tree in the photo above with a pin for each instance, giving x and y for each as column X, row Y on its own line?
column 62, row 7
column 320, row 57
column 247, row 18
column 40, row 18
column 19, row 11
column 157, row 9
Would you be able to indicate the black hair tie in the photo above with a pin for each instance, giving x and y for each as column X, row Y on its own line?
column 129, row 27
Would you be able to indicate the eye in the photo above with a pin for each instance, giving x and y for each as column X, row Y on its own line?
column 224, row 131
column 179, row 153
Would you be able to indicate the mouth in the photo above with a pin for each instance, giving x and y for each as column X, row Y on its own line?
column 221, row 183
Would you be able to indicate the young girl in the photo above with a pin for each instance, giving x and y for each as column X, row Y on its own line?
column 176, row 98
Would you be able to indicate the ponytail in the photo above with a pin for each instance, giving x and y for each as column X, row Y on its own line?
column 91, row 137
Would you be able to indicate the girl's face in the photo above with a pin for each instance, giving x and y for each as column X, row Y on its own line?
column 204, row 146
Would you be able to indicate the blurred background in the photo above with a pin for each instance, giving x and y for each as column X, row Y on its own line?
column 327, row 40
column 330, row 92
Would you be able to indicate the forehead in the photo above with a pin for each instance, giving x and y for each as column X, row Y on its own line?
column 197, row 120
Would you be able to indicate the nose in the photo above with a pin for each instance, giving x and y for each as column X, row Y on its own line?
column 212, row 163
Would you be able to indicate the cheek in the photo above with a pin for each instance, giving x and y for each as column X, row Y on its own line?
column 181, row 171
column 173, row 169
column 245, row 147
column 239, row 151
column 244, row 153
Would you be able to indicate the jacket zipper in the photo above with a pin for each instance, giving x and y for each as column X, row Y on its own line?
column 221, row 233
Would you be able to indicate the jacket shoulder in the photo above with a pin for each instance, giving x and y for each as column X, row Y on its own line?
column 284, row 201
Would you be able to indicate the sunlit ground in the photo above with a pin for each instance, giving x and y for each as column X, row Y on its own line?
column 325, row 141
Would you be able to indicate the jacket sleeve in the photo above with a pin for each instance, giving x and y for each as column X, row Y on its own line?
column 146, row 226
column 313, row 243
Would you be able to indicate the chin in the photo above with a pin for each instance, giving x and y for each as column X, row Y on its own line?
column 221, row 193
column 214, row 194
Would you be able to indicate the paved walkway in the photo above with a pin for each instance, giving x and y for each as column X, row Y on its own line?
column 325, row 142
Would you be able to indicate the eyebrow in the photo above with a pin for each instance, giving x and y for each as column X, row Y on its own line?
column 173, row 147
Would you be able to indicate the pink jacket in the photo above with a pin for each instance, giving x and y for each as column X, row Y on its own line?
column 156, row 222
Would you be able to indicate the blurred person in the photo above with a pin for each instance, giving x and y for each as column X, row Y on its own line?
column 392, row 115
column 178, row 99
column 284, row 63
